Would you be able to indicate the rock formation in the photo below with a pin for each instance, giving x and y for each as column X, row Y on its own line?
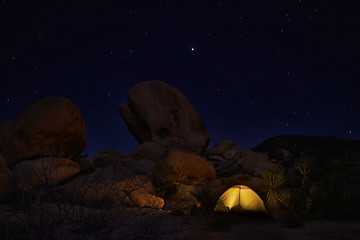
column 257, row 163
column 185, row 168
column 111, row 159
column 110, row 188
column 160, row 113
column 51, row 127
column 6, row 180
column 148, row 150
column 32, row 175
column 146, row 156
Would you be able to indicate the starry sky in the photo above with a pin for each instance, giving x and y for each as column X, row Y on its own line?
column 252, row 69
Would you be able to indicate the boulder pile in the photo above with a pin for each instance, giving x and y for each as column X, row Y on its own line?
column 39, row 153
column 36, row 148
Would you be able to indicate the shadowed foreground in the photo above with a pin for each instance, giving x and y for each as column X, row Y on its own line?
column 329, row 230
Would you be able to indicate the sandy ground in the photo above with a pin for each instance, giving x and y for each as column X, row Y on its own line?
column 323, row 230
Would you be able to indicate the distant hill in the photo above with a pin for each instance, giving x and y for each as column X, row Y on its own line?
column 314, row 146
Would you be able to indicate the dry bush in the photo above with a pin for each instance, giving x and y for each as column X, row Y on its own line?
column 207, row 196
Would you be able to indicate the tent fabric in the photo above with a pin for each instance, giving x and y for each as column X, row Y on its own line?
column 240, row 198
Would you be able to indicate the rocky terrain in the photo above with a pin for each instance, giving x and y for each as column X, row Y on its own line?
column 49, row 189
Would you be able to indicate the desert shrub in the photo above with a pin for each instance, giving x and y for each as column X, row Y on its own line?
column 289, row 205
column 34, row 220
column 207, row 196
column 324, row 191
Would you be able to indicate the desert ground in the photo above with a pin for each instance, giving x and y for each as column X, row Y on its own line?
column 312, row 230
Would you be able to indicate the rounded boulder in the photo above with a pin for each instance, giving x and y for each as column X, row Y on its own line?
column 32, row 175
column 50, row 127
column 160, row 113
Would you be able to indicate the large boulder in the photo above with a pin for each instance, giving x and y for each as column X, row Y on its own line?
column 52, row 127
column 32, row 175
column 184, row 168
column 160, row 113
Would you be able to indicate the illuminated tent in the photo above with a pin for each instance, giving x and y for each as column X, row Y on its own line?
column 240, row 198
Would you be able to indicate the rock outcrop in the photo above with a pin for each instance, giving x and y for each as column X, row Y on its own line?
column 111, row 159
column 257, row 163
column 225, row 149
column 182, row 200
column 51, row 127
column 146, row 156
column 228, row 160
column 223, row 157
column 32, row 175
column 184, row 168
column 148, row 150
column 110, row 188
column 160, row 113
column 7, row 186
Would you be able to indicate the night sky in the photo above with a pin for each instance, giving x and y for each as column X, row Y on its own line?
column 252, row 69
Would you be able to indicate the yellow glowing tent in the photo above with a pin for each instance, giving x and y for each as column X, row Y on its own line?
column 240, row 198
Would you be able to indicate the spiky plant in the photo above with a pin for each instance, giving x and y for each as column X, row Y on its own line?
column 304, row 170
column 207, row 196
column 273, row 182
column 285, row 197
